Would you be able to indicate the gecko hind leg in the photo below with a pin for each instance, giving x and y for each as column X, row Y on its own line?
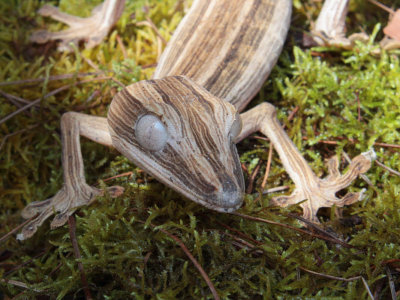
column 316, row 191
column 330, row 27
column 75, row 191
column 92, row 29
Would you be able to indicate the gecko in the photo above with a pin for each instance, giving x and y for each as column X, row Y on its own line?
column 182, row 125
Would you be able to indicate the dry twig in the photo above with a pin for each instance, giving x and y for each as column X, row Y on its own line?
column 191, row 257
column 72, row 234
column 52, row 93
column 329, row 239
column 341, row 279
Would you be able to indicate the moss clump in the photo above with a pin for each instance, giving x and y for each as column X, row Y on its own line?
column 345, row 101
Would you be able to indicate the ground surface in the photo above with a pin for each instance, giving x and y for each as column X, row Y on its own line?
column 343, row 101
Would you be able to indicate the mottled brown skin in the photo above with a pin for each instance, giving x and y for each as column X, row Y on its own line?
column 218, row 58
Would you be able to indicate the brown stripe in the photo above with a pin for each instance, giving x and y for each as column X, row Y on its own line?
column 250, row 36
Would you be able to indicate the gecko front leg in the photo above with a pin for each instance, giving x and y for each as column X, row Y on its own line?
column 318, row 192
column 92, row 29
column 75, row 191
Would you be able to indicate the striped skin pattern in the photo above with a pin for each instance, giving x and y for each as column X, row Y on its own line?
column 228, row 47
column 200, row 159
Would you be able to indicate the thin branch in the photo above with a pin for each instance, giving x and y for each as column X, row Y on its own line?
column 390, row 170
column 268, row 168
column 12, row 134
column 121, row 45
column 150, row 24
column 358, row 106
column 391, row 283
column 291, row 115
column 384, row 7
column 312, row 225
column 20, row 284
column 353, row 141
column 239, row 233
column 253, row 177
column 51, row 78
column 94, row 66
column 333, row 240
column 7, row 235
column 276, row 189
column 341, row 279
column 387, row 145
column 129, row 174
column 72, row 234
column 52, row 93
column 191, row 257
column 25, row 263
column 13, row 98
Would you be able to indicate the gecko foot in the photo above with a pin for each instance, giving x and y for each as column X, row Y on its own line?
column 322, row 192
column 65, row 202
column 330, row 29
column 92, row 30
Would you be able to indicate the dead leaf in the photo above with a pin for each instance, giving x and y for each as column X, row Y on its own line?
column 393, row 28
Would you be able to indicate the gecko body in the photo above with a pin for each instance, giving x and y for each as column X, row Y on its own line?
column 182, row 125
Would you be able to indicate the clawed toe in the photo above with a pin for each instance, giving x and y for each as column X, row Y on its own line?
column 92, row 30
column 65, row 202
column 316, row 193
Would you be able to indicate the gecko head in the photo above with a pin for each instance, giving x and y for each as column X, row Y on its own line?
column 182, row 135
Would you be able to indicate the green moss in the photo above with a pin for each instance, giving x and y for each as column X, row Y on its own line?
column 347, row 97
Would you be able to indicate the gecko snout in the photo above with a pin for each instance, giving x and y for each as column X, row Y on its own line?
column 229, row 197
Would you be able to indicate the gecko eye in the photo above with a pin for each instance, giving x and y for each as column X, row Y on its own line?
column 236, row 126
column 151, row 133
